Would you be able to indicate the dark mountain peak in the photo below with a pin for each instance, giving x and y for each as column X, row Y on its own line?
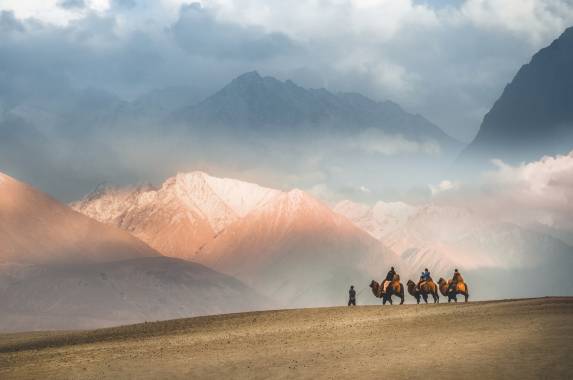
column 248, row 77
column 252, row 102
column 534, row 115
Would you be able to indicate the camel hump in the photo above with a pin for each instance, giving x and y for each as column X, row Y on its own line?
column 396, row 277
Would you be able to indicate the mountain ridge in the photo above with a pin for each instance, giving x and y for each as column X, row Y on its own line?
column 534, row 114
column 268, row 105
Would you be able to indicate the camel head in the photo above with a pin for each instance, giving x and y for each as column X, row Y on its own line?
column 411, row 285
column 375, row 288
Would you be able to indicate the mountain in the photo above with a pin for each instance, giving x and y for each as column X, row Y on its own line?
column 75, row 296
column 534, row 115
column 378, row 220
column 298, row 250
column 181, row 216
column 264, row 105
column 35, row 229
column 61, row 269
column 287, row 245
column 494, row 256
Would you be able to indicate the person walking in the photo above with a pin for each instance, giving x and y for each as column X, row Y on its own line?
column 352, row 296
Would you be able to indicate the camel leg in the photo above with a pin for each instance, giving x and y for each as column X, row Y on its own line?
column 425, row 296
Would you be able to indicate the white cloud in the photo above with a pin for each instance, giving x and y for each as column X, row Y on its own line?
column 534, row 18
column 535, row 193
column 376, row 141
column 444, row 186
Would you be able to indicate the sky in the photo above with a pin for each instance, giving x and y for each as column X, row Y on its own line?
column 447, row 60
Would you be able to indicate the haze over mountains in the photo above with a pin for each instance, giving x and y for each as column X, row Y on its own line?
column 299, row 130
column 496, row 257
column 296, row 249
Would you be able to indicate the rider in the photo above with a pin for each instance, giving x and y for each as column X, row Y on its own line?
column 352, row 296
column 389, row 278
column 456, row 279
column 425, row 276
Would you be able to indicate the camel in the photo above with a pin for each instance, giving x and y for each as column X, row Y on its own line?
column 428, row 287
column 413, row 290
column 395, row 288
column 447, row 291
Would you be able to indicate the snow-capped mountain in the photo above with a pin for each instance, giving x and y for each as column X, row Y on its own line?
column 287, row 245
column 35, row 229
column 60, row 269
column 179, row 217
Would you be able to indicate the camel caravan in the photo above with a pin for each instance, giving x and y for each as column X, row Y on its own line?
column 425, row 288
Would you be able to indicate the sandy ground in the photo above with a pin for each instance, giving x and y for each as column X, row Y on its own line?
column 503, row 339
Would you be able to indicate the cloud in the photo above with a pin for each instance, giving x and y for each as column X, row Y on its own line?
column 533, row 18
column 199, row 33
column 530, row 194
column 9, row 23
column 376, row 141
column 444, row 186
column 448, row 62
column 125, row 4
column 72, row 4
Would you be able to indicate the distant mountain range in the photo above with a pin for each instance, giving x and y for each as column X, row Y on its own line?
column 287, row 245
column 84, row 136
column 534, row 115
column 265, row 105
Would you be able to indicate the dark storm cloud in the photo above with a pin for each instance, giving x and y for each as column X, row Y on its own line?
column 199, row 33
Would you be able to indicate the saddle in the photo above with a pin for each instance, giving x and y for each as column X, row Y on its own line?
column 385, row 284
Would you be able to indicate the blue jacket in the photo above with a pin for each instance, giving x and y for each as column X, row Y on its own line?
column 425, row 276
